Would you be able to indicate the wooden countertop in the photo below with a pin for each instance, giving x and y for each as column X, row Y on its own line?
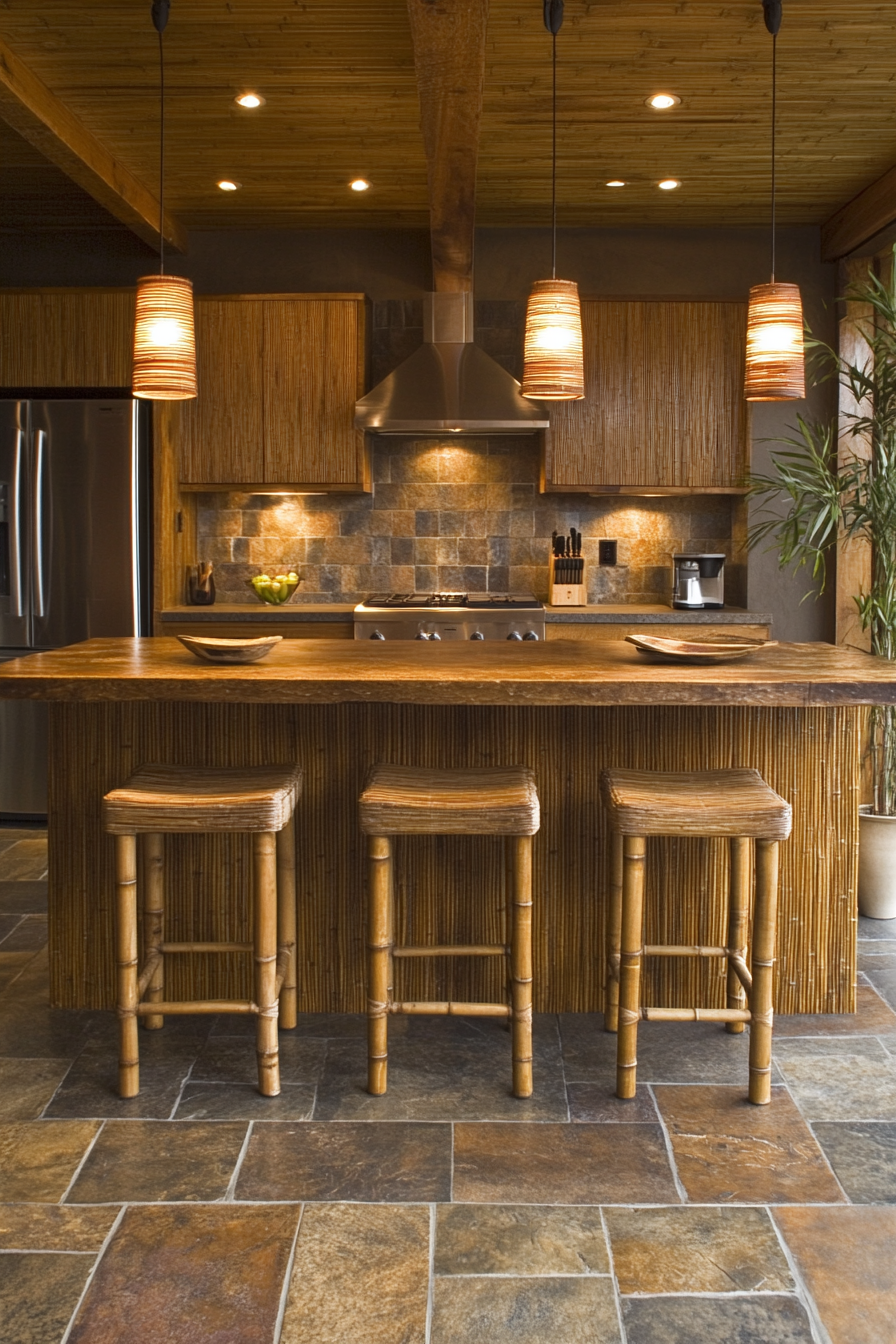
column 562, row 672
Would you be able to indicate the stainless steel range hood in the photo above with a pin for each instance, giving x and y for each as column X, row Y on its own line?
column 449, row 385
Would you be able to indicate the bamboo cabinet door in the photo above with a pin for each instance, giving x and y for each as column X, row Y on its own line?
column 313, row 369
column 222, row 441
column 664, row 403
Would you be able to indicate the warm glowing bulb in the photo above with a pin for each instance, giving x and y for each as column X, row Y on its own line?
column 669, row 184
column 661, row 101
column 557, row 339
column 249, row 100
column 777, row 338
column 615, row 182
column 165, row 331
column 227, row 185
column 359, row 184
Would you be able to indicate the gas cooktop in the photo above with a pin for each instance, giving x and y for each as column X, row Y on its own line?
column 472, row 601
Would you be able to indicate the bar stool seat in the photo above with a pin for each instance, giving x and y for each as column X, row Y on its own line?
column 737, row 805
column 405, row 800
column 167, row 798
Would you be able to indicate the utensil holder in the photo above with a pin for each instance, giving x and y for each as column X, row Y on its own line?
column 567, row 594
column 200, row 585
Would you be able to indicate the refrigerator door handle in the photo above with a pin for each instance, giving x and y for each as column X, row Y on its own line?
column 15, row 529
column 37, row 532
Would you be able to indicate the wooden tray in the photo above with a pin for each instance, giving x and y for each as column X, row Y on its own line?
column 219, row 650
column 697, row 650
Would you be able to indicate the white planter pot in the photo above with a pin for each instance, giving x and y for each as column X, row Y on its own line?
column 877, row 865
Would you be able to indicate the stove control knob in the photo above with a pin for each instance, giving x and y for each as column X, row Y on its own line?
column 530, row 634
column 422, row 635
column 377, row 634
column 435, row 635
column 477, row 634
column 514, row 634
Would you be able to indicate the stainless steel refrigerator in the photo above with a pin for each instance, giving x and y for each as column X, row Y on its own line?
column 75, row 553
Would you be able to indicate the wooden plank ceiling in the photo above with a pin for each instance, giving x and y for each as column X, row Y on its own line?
column 338, row 77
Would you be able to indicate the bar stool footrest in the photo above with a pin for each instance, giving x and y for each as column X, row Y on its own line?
column 695, row 1015
column 449, row 1009
column 196, row 1006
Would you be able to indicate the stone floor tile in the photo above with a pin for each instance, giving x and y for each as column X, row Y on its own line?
column 333, row 1026
column 871, row 1017
column 877, row 956
column 38, row 1294
column 696, row 1250
column 562, row 1164
column 242, row 1101
column 519, row 1239
column 31, row 1030
column 728, row 1151
column 54, row 1227
column 29, row 935
column 864, row 1159
column 716, row 1320
column 180, row 1037
column 224, row 1059
column 23, row 898
column 25, row 860
column 185, row 1275
column 91, row 1090
column 875, row 928
column 842, row 1078
column 847, row 1262
column 38, row 1160
column 668, row 1052
column 26, row 1085
column 137, row 1161
column 884, row 981
column 361, row 1273
column 7, row 924
column 448, row 1079
column 12, row 964
column 597, row 1103
column 391, row 1162
column 524, row 1311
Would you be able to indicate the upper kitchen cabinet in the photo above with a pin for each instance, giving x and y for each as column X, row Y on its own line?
column 664, row 405
column 278, row 379
column 55, row 338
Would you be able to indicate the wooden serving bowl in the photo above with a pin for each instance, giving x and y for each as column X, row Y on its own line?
column 216, row 650
column 697, row 651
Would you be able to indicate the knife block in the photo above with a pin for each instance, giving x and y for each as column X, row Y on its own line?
column 568, row 594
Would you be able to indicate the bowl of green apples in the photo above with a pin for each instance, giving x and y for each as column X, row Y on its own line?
column 275, row 590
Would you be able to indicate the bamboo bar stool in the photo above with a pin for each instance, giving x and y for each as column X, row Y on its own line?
column 405, row 800
column 739, row 805
column 171, row 798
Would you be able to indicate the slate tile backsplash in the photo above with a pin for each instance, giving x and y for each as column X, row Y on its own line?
column 458, row 516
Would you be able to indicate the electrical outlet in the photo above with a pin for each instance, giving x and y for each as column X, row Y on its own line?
column 606, row 552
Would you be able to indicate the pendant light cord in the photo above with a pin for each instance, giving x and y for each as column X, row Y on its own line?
column 553, row 156
column 774, row 120
column 162, row 156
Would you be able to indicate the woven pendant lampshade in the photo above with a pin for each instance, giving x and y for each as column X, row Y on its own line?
column 553, row 363
column 776, row 368
column 164, row 340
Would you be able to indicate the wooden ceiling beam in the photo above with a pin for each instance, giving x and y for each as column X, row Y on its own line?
column 28, row 106
column 449, row 61
column 860, row 219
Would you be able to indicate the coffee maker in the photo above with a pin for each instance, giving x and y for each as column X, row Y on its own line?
column 698, row 582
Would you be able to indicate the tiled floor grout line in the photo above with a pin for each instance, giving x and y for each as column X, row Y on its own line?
column 230, row 1192
column 116, row 1222
column 182, row 1088
column 431, row 1285
column 287, row 1279
column 670, row 1153
column 80, row 1167
column 43, row 1114
column 451, row 1168
column 819, row 1333
column 617, row 1295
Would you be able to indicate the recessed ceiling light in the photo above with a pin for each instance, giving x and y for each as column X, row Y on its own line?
column 359, row 184
column 660, row 102
column 249, row 100
column 669, row 184
column 227, row 184
column 615, row 182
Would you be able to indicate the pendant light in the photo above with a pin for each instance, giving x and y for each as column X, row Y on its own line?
column 553, row 363
column 775, row 356
column 164, row 339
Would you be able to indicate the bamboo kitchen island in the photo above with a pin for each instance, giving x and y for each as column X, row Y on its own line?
column 565, row 709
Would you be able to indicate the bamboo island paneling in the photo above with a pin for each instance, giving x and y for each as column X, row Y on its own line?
column 450, row 889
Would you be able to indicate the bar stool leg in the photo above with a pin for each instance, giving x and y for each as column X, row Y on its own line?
column 154, row 921
column 521, row 965
column 763, row 968
column 634, row 850
column 126, row 957
column 614, row 935
column 738, row 920
column 379, row 978
column 264, row 847
column 286, row 919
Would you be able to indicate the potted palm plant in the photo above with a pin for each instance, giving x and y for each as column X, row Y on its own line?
column 831, row 498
